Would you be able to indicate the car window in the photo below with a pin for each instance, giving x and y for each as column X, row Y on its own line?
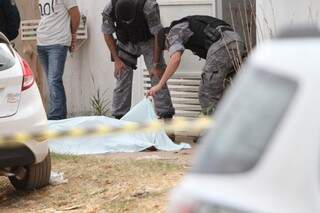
column 6, row 58
column 248, row 119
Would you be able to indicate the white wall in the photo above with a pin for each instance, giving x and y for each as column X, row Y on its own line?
column 90, row 68
column 273, row 15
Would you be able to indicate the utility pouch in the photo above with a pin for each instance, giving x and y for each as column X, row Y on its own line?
column 127, row 58
column 127, row 62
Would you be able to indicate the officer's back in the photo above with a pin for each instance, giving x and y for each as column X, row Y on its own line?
column 9, row 19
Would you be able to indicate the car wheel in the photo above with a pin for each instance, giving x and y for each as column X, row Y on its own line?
column 37, row 176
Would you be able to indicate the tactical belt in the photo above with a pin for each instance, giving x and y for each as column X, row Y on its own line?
column 126, row 61
column 215, row 34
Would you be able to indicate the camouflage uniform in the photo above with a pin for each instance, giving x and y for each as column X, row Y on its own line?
column 219, row 61
column 130, row 52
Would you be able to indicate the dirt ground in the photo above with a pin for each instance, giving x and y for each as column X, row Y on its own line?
column 137, row 182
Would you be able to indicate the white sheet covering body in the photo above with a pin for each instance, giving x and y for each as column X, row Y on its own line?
column 141, row 113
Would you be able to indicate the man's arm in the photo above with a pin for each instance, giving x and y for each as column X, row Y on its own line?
column 172, row 67
column 75, row 22
column 177, row 36
column 12, row 19
column 108, row 28
column 111, row 43
column 119, row 65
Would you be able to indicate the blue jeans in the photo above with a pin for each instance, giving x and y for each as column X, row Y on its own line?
column 52, row 59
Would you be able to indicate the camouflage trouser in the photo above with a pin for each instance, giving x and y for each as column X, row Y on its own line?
column 122, row 93
column 219, row 63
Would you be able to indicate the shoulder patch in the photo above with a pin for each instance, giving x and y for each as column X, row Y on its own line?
column 13, row 2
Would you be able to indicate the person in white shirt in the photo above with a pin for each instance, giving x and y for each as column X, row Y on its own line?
column 55, row 35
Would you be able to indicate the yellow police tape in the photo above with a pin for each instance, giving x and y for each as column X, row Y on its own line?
column 177, row 124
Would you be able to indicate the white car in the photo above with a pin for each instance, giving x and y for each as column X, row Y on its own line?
column 263, row 152
column 28, row 165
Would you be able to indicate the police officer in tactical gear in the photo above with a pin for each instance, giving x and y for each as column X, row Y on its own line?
column 9, row 19
column 209, row 38
column 136, row 24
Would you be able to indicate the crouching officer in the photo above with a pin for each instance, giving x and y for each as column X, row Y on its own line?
column 136, row 24
column 9, row 19
column 209, row 38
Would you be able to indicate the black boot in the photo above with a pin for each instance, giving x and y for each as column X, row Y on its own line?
column 168, row 118
column 118, row 116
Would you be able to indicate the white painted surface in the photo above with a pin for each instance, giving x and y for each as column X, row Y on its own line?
column 90, row 68
column 274, row 14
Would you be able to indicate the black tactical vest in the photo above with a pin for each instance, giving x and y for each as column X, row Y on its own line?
column 205, row 33
column 136, row 31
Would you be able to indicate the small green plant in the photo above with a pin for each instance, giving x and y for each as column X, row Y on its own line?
column 100, row 104
column 208, row 111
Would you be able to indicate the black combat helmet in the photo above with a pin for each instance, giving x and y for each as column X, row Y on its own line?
column 125, row 10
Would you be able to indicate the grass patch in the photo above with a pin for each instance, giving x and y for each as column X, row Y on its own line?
column 100, row 183
column 58, row 157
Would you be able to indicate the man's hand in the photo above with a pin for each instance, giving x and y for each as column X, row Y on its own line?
column 119, row 66
column 153, row 91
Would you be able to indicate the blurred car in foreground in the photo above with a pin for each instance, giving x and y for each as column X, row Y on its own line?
column 263, row 152
column 28, row 166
